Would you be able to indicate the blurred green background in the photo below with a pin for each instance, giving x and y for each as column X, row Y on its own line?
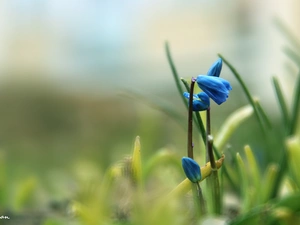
column 69, row 71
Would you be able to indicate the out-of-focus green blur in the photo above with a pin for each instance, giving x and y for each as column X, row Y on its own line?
column 68, row 71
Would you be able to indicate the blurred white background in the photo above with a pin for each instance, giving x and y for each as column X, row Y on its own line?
column 100, row 46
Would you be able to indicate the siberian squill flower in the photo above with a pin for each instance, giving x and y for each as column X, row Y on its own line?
column 215, row 87
column 216, row 68
column 191, row 169
column 200, row 101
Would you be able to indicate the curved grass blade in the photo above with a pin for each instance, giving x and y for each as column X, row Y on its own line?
column 248, row 95
column 231, row 123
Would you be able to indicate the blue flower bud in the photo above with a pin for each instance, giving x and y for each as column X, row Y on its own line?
column 216, row 68
column 191, row 169
column 200, row 101
column 215, row 87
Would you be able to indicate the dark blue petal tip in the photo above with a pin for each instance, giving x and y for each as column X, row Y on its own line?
column 216, row 68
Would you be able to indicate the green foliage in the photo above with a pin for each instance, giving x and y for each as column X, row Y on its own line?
column 152, row 189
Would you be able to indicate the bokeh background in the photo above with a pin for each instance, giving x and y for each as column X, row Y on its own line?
column 78, row 79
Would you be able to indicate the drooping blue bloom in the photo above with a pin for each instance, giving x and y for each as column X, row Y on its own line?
column 215, row 69
column 191, row 169
column 200, row 101
column 215, row 87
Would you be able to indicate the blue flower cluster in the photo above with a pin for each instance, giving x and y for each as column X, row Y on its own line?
column 212, row 86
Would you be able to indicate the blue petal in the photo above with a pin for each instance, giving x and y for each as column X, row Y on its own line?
column 191, row 169
column 204, row 97
column 200, row 101
column 216, row 88
column 186, row 95
column 227, row 84
column 216, row 68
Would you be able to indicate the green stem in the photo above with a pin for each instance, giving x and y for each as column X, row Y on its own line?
column 202, row 131
column 209, row 143
column 213, row 179
column 196, row 117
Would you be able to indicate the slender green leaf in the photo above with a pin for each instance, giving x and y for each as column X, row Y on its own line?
column 292, row 55
column 282, row 103
column 295, row 107
column 244, row 182
column 287, row 32
column 262, row 113
column 248, row 95
column 254, row 172
column 293, row 147
column 270, row 180
column 174, row 72
column 230, row 125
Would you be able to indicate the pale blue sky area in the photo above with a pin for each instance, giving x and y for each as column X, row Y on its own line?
column 90, row 43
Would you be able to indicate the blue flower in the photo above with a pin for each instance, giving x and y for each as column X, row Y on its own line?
column 215, row 69
column 200, row 101
column 215, row 87
column 191, row 169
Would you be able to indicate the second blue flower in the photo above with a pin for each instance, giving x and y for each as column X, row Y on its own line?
column 200, row 101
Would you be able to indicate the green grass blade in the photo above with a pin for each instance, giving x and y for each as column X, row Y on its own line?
column 262, row 113
column 292, row 55
column 270, row 180
column 244, row 182
column 282, row 103
column 231, row 124
column 295, row 107
column 254, row 174
column 174, row 72
column 248, row 95
column 287, row 32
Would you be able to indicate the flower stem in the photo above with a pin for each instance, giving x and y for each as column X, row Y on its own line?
column 201, row 128
column 190, row 122
column 213, row 180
